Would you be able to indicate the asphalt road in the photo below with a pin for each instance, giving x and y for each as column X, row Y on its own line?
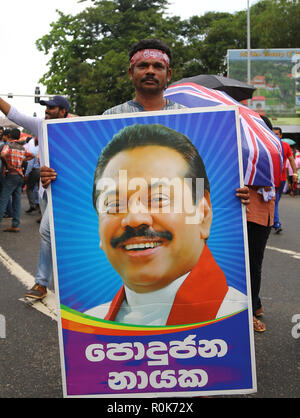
column 29, row 352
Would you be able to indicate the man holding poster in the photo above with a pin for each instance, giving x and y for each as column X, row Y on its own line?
column 153, row 207
column 155, row 235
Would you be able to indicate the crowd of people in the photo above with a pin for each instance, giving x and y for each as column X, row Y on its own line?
column 289, row 177
column 19, row 171
column 150, row 71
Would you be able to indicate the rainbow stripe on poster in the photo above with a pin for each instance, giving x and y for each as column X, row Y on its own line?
column 76, row 321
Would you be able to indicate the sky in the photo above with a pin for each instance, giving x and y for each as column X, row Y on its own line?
column 23, row 22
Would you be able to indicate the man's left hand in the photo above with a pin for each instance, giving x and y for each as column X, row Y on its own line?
column 243, row 194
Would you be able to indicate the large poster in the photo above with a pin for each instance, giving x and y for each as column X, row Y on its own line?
column 150, row 254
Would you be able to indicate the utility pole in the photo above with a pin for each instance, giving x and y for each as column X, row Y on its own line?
column 248, row 44
column 36, row 96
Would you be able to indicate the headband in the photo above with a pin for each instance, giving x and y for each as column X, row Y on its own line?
column 150, row 53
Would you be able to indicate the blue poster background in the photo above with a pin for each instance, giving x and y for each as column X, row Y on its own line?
column 86, row 278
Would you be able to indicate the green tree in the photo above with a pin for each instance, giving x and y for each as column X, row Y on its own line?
column 275, row 24
column 89, row 51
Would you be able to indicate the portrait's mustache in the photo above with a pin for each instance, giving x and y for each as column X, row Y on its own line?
column 143, row 231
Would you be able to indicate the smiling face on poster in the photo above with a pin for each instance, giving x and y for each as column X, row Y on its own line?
column 150, row 255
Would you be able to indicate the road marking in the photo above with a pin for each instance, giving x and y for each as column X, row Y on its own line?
column 293, row 254
column 48, row 305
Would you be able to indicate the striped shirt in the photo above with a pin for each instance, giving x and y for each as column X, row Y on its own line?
column 14, row 159
column 131, row 106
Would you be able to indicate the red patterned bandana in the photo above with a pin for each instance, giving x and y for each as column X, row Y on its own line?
column 145, row 54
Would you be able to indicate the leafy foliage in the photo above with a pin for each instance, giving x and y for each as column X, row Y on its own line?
column 89, row 51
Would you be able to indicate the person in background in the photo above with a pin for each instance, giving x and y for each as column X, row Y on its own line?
column 56, row 108
column 14, row 155
column 260, row 215
column 292, row 180
column 32, row 174
column 287, row 155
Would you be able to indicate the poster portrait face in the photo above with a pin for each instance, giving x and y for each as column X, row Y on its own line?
column 174, row 246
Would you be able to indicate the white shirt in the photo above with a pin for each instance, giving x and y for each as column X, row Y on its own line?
column 153, row 308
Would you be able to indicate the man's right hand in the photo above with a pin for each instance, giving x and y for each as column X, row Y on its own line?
column 47, row 175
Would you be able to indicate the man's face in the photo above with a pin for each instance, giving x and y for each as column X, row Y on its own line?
column 277, row 132
column 148, row 248
column 150, row 75
column 54, row 112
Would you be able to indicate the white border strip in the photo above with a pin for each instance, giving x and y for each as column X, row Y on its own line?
column 246, row 251
column 293, row 254
column 47, row 306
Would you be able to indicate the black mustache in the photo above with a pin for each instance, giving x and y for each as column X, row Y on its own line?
column 140, row 232
column 150, row 78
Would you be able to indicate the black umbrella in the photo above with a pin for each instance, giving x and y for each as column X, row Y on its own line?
column 235, row 88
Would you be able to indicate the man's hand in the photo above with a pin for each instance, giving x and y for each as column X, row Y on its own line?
column 47, row 175
column 243, row 194
column 4, row 106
